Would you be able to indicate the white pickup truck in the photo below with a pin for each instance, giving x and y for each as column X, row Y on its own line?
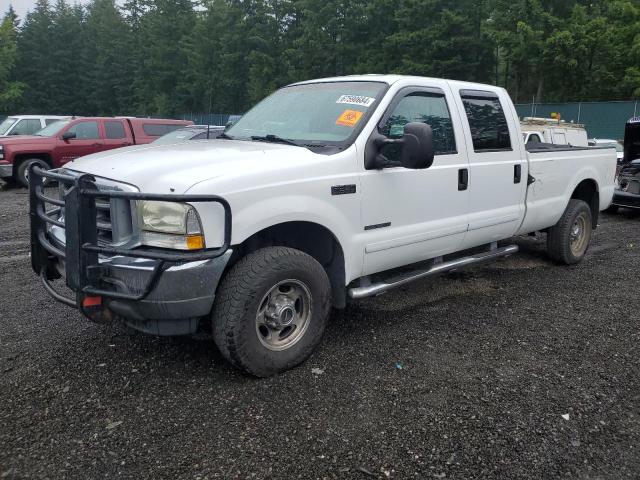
column 326, row 190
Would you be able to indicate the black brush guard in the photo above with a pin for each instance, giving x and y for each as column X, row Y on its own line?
column 83, row 272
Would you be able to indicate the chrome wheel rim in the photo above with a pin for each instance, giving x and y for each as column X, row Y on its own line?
column 42, row 165
column 579, row 235
column 283, row 315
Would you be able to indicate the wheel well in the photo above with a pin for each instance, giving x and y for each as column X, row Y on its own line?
column 311, row 238
column 587, row 190
column 18, row 159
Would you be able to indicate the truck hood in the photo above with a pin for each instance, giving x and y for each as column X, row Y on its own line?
column 25, row 140
column 176, row 168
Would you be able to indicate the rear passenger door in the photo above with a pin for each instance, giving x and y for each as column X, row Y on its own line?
column 497, row 167
column 116, row 134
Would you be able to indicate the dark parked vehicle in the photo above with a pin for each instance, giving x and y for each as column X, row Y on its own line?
column 627, row 193
column 192, row 132
column 64, row 141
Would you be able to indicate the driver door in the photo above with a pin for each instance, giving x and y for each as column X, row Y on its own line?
column 88, row 140
column 414, row 215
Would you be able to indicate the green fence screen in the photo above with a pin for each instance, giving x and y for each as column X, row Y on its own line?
column 601, row 119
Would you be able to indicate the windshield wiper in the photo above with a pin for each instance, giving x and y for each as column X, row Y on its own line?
column 224, row 136
column 273, row 139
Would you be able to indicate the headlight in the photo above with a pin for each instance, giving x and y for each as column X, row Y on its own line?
column 170, row 225
column 1, row 152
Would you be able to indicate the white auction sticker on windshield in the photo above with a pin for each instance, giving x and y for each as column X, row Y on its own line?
column 356, row 100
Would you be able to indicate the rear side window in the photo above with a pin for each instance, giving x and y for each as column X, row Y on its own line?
column 488, row 124
column 159, row 129
column 85, row 130
column 114, row 130
column 26, row 127
column 49, row 121
column 533, row 139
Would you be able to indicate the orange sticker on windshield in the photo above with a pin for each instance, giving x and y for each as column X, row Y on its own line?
column 349, row 118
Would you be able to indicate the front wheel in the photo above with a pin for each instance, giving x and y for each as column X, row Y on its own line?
column 22, row 172
column 568, row 240
column 270, row 310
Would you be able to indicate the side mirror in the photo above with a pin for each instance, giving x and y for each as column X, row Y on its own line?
column 68, row 136
column 416, row 148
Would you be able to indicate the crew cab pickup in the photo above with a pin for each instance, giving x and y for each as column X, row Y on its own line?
column 65, row 140
column 326, row 191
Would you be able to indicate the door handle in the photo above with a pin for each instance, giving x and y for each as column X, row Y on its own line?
column 517, row 173
column 463, row 179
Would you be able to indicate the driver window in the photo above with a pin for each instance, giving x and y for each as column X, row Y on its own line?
column 85, row 130
column 429, row 108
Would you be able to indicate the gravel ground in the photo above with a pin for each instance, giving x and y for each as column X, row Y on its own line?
column 519, row 369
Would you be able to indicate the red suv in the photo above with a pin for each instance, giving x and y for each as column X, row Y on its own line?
column 66, row 140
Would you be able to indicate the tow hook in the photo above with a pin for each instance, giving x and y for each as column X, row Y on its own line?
column 94, row 309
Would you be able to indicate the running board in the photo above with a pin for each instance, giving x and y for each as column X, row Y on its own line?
column 435, row 269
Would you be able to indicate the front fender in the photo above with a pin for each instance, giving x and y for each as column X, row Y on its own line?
column 251, row 218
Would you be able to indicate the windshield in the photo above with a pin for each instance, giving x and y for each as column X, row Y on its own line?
column 176, row 136
column 7, row 124
column 315, row 114
column 52, row 129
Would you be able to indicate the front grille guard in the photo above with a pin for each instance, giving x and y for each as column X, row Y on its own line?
column 81, row 252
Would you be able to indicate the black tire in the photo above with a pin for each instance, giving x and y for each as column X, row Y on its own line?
column 562, row 240
column 243, row 294
column 613, row 209
column 22, row 172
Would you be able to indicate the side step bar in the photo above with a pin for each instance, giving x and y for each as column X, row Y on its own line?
column 435, row 269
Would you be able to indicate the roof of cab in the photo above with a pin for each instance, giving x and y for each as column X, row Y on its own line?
column 21, row 117
column 391, row 79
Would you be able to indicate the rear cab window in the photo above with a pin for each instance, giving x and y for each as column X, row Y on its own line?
column 487, row 121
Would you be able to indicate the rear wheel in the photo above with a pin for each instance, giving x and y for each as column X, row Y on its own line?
column 22, row 172
column 568, row 240
column 270, row 310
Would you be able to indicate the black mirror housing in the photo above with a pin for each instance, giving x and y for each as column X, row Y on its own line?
column 416, row 145
column 68, row 135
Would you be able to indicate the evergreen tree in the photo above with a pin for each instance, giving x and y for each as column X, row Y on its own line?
column 10, row 91
column 168, row 57
column 108, row 51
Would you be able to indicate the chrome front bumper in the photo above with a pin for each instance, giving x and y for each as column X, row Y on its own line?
column 6, row 171
column 182, row 291
column 157, row 291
